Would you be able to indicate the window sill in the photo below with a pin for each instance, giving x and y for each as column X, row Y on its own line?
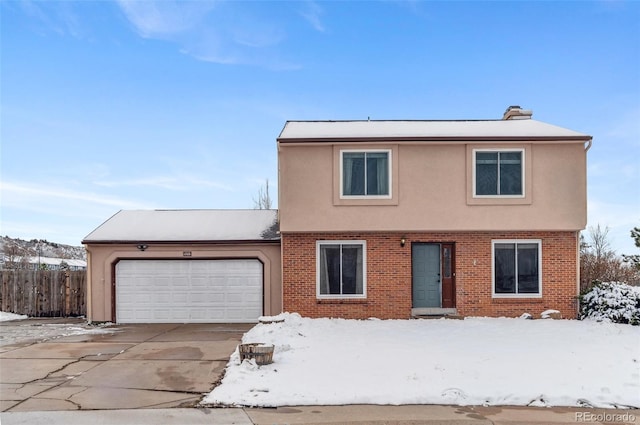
column 516, row 299
column 341, row 301
column 498, row 200
column 367, row 197
column 364, row 201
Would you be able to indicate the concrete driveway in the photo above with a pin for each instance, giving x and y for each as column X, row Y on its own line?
column 136, row 366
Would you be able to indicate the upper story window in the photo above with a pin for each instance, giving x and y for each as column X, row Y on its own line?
column 365, row 173
column 498, row 173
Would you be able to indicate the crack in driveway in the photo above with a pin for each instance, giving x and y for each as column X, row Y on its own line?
column 167, row 371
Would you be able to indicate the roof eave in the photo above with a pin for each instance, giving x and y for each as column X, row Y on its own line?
column 387, row 139
column 186, row 242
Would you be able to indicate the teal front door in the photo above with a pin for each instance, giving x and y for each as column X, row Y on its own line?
column 427, row 287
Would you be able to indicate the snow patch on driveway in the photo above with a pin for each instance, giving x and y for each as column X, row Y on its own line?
column 38, row 330
column 5, row 317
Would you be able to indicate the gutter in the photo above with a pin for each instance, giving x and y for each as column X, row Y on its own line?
column 467, row 139
column 187, row 242
column 589, row 143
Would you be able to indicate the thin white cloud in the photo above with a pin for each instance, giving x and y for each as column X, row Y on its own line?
column 60, row 232
column 35, row 11
column 228, row 33
column 70, row 20
column 56, row 16
column 258, row 35
column 312, row 13
column 183, row 183
column 16, row 194
column 164, row 19
column 229, row 59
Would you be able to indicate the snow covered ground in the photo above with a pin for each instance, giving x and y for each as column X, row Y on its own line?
column 15, row 329
column 476, row 361
column 5, row 317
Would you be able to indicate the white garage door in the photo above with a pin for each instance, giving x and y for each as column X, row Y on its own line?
column 188, row 291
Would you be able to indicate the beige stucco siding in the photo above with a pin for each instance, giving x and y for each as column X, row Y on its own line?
column 560, row 184
column 103, row 257
column 432, row 190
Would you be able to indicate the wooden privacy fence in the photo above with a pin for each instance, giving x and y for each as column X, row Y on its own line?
column 44, row 293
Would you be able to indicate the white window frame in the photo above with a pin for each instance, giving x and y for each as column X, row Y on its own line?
column 522, row 172
column 494, row 242
column 389, row 172
column 364, row 269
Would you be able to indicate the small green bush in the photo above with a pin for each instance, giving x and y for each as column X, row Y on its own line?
column 611, row 302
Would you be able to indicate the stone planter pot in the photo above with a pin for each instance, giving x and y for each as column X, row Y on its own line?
column 261, row 353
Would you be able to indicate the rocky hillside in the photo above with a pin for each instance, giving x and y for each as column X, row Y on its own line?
column 21, row 248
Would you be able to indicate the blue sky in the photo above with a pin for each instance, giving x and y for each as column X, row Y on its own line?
column 110, row 105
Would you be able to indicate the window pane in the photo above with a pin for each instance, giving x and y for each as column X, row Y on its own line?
column 446, row 267
column 341, row 269
column 505, row 268
column 352, row 269
column 353, row 173
column 486, row 173
column 377, row 173
column 510, row 173
column 528, row 274
column 329, row 269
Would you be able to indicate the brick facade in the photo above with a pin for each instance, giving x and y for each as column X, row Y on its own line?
column 389, row 275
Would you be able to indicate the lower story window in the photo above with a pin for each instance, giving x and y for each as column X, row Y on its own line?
column 341, row 269
column 517, row 268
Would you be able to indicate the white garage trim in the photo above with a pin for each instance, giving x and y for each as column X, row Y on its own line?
column 188, row 291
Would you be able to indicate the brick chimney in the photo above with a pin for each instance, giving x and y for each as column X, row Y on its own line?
column 515, row 112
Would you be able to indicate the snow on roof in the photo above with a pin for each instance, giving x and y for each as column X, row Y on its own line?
column 480, row 129
column 186, row 225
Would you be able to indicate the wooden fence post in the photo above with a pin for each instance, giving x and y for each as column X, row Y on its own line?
column 67, row 292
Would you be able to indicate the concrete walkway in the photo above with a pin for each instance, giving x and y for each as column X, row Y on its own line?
column 137, row 366
column 331, row 415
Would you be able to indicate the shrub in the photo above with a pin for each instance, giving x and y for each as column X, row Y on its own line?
column 611, row 302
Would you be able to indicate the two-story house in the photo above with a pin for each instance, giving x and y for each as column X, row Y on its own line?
column 393, row 219
column 388, row 219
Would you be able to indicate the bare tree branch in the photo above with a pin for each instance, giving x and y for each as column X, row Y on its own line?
column 263, row 201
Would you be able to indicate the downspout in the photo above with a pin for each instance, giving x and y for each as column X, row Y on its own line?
column 578, row 277
column 279, row 232
column 588, row 145
column 88, row 288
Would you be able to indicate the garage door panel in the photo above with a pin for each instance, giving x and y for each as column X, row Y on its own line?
column 237, row 313
column 205, row 291
column 179, row 281
column 253, row 298
column 180, row 298
column 161, row 298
